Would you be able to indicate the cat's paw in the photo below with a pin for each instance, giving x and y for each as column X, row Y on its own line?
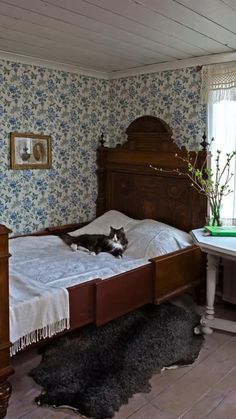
column 119, row 257
column 74, row 247
column 92, row 253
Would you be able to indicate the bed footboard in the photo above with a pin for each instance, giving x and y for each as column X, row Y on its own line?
column 5, row 368
column 177, row 272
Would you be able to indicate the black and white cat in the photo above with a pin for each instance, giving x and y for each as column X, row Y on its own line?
column 115, row 243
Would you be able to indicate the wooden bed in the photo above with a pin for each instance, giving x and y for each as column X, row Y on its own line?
column 127, row 183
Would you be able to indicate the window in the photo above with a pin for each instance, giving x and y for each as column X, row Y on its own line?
column 218, row 91
column 222, row 127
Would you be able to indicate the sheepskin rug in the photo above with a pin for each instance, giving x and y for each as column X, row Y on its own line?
column 97, row 370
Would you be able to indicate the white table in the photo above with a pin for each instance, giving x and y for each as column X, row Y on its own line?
column 215, row 247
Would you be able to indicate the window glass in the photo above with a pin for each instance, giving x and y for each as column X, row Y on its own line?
column 222, row 127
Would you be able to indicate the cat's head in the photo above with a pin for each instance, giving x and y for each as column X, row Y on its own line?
column 118, row 235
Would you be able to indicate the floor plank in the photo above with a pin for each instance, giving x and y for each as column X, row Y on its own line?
column 225, row 392
column 184, row 392
column 220, row 398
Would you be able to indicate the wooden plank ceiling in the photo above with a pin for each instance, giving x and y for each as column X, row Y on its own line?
column 114, row 35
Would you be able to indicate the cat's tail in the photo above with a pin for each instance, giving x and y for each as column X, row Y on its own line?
column 66, row 238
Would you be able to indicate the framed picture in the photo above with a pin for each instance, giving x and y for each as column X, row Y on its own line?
column 30, row 151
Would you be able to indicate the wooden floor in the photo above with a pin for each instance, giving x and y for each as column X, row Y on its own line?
column 206, row 389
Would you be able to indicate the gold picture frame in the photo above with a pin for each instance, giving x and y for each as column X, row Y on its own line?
column 30, row 151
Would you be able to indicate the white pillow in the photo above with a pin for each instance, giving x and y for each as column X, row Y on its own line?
column 150, row 238
column 147, row 238
column 102, row 224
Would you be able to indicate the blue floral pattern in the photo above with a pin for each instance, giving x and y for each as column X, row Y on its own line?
column 173, row 96
column 75, row 110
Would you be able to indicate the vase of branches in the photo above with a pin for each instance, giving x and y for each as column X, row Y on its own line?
column 214, row 184
column 215, row 219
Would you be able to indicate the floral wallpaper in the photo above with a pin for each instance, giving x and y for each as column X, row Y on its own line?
column 75, row 110
column 173, row 96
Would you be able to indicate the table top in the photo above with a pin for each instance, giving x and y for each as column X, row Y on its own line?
column 225, row 246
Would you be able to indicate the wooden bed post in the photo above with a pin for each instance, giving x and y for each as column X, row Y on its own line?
column 101, row 178
column 5, row 368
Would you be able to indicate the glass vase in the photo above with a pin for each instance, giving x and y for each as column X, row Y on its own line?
column 214, row 219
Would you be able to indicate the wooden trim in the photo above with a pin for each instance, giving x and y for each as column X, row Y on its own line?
column 175, row 64
column 65, row 228
column 56, row 65
column 5, row 368
column 147, row 69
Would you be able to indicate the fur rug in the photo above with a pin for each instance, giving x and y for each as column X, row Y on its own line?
column 99, row 369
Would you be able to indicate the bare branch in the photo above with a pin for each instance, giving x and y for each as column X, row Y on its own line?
column 204, row 180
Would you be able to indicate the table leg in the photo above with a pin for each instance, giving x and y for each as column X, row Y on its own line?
column 212, row 267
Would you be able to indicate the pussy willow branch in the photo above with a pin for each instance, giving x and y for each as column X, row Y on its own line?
column 211, row 189
column 194, row 184
column 217, row 166
column 223, row 188
column 226, row 166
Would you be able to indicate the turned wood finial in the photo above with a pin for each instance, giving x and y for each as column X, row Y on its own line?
column 102, row 141
column 204, row 143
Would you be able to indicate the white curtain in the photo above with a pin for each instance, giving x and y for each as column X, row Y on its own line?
column 218, row 82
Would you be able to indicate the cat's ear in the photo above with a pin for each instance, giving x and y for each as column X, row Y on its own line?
column 122, row 229
column 111, row 228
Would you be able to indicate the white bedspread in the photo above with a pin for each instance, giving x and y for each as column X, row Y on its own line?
column 41, row 268
column 35, row 312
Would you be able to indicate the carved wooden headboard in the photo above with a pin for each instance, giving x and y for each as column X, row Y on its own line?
column 128, row 184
